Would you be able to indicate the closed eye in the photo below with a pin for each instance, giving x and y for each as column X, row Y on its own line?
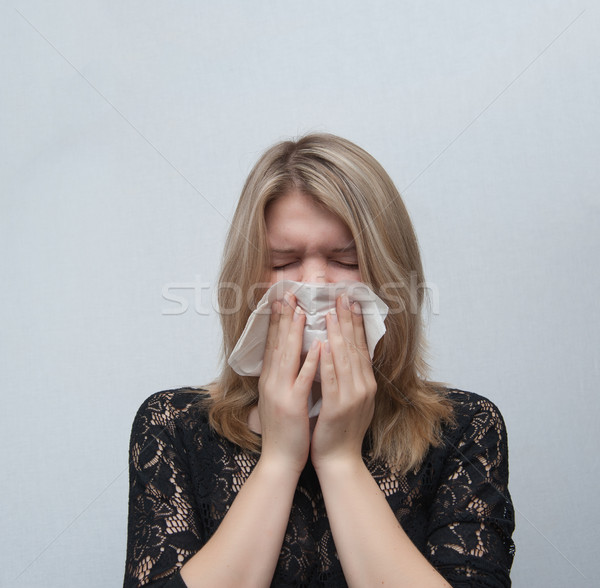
column 285, row 265
column 349, row 266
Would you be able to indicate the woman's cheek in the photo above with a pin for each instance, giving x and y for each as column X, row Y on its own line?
column 285, row 274
column 348, row 275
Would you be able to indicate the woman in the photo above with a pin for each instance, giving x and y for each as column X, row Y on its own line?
column 399, row 482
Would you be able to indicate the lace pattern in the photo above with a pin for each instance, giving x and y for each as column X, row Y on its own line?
column 183, row 478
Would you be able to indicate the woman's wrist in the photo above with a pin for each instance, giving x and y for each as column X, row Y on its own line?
column 338, row 466
column 279, row 468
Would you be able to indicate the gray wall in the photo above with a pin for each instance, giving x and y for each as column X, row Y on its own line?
column 127, row 129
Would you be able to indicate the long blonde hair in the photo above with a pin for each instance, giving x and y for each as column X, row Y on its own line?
column 342, row 177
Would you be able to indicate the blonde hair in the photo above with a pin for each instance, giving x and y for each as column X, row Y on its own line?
column 342, row 177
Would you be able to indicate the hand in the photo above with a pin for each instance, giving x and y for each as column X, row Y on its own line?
column 283, row 389
column 348, row 388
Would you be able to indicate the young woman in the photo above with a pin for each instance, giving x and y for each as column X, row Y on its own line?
column 400, row 482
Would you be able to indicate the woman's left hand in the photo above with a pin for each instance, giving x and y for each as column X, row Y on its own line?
column 348, row 388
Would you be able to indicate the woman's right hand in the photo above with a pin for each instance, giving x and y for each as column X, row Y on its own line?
column 284, row 388
column 265, row 499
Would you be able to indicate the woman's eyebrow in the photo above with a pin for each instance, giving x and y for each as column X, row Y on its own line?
column 283, row 251
column 350, row 248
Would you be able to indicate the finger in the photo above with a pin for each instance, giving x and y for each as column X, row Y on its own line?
column 292, row 346
column 271, row 342
column 309, row 369
column 287, row 310
column 329, row 385
column 367, row 375
column 289, row 339
column 339, row 352
column 360, row 338
column 354, row 373
column 346, row 322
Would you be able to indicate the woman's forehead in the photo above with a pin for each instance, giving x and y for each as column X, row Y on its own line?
column 296, row 218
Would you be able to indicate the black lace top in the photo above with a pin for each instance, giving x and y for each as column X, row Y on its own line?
column 183, row 478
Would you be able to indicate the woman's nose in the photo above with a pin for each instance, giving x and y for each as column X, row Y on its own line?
column 314, row 273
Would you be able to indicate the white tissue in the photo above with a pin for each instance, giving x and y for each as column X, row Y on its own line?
column 316, row 300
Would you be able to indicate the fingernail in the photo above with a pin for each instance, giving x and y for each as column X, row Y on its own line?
column 314, row 344
column 288, row 298
column 333, row 315
column 345, row 302
column 298, row 312
column 356, row 309
column 276, row 307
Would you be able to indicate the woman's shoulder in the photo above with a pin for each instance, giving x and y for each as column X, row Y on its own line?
column 478, row 424
column 467, row 402
column 474, row 412
column 168, row 407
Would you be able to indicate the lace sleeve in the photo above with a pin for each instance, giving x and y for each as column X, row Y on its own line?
column 472, row 516
column 162, row 526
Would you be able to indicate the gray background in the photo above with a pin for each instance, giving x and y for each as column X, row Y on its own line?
column 127, row 129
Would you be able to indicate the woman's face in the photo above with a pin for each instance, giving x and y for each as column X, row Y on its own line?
column 308, row 243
